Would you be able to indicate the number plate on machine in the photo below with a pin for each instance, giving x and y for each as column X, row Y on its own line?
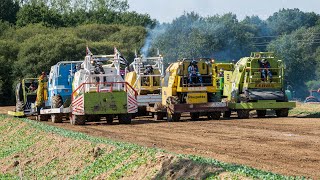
column 195, row 98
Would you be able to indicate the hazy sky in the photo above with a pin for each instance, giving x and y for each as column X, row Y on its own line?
column 167, row 10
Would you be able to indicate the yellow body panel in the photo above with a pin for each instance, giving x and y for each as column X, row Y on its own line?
column 196, row 98
column 16, row 113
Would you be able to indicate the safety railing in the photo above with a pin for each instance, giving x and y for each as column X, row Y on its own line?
column 255, row 74
column 206, row 80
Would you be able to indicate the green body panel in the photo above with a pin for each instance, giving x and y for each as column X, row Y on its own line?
column 262, row 105
column 247, row 75
column 106, row 103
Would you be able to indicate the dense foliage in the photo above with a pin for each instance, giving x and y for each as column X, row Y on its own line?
column 40, row 35
column 35, row 34
column 291, row 33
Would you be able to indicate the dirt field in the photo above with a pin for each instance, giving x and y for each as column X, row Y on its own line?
column 289, row 146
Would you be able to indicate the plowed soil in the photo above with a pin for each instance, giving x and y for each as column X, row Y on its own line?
column 289, row 146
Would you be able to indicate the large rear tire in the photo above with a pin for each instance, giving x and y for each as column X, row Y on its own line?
column 124, row 118
column 261, row 113
column 19, row 106
column 243, row 113
column 282, row 112
column 56, row 103
column 78, row 119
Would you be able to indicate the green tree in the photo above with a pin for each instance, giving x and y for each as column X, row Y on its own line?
column 40, row 52
column 8, row 10
column 288, row 20
column 38, row 13
column 298, row 52
column 8, row 54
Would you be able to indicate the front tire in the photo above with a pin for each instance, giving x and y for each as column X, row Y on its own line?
column 173, row 117
column 56, row 118
column 227, row 114
column 282, row 112
column 195, row 116
column 261, row 113
column 159, row 115
column 19, row 106
column 78, row 119
column 243, row 114
column 109, row 119
column 214, row 115
column 124, row 118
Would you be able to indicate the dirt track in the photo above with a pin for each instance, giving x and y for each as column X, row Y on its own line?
column 290, row 146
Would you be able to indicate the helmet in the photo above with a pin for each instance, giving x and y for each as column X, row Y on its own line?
column 193, row 62
column 99, row 63
column 263, row 60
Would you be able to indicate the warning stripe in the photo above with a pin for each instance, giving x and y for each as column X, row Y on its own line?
column 130, row 99
column 131, row 102
column 78, row 99
column 78, row 104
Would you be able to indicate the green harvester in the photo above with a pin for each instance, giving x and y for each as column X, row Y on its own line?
column 247, row 90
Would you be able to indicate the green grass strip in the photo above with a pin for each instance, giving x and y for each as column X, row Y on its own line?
column 104, row 164
column 241, row 169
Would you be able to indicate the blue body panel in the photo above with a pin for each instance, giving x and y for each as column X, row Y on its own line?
column 60, row 80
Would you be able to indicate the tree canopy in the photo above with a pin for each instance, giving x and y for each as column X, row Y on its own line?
column 36, row 34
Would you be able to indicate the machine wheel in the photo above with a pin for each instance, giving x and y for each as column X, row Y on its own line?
column 43, row 117
column 124, row 118
column 282, row 112
column 142, row 111
column 56, row 118
column 195, row 116
column 173, row 117
column 214, row 115
column 311, row 99
column 78, row 119
column 57, row 101
column 93, row 118
column 226, row 114
column 19, row 106
column 261, row 113
column 243, row 113
column 159, row 115
column 109, row 119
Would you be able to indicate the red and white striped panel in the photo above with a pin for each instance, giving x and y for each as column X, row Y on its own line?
column 78, row 105
column 132, row 104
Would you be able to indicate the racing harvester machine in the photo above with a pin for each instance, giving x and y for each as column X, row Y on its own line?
column 100, row 91
column 198, row 95
column 26, row 95
column 248, row 89
column 59, row 91
column 145, row 74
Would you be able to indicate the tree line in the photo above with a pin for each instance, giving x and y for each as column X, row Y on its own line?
column 292, row 34
column 36, row 34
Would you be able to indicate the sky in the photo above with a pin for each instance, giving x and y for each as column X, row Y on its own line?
column 167, row 10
